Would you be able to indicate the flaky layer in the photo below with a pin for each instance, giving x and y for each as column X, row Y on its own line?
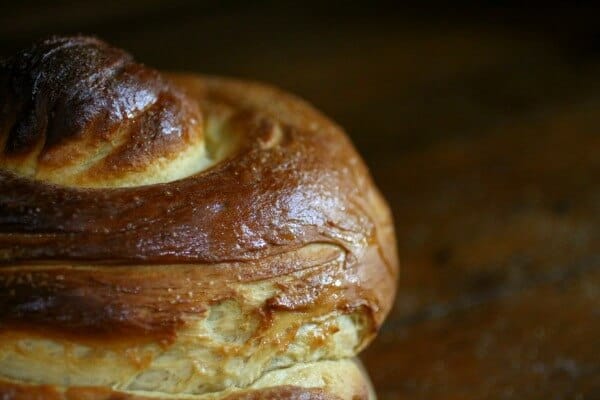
column 324, row 380
column 230, row 330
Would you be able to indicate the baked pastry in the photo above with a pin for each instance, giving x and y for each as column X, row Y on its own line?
column 179, row 237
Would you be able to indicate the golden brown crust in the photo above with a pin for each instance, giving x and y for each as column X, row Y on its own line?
column 66, row 100
column 101, row 249
column 309, row 188
column 119, row 301
column 294, row 180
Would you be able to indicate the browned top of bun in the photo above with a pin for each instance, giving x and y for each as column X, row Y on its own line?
column 77, row 116
column 65, row 98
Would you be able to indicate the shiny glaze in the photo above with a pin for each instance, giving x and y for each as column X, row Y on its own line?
column 120, row 302
column 292, row 180
column 68, row 100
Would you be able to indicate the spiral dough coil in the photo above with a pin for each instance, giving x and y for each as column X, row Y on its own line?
column 173, row 236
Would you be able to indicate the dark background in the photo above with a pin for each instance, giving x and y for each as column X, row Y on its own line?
column 374, row 68
column 479, row 124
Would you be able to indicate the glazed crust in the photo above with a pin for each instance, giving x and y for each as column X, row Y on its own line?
column 134, row 204
column 76, row 104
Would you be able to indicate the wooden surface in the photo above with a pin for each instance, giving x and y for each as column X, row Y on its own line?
column 484, row 138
